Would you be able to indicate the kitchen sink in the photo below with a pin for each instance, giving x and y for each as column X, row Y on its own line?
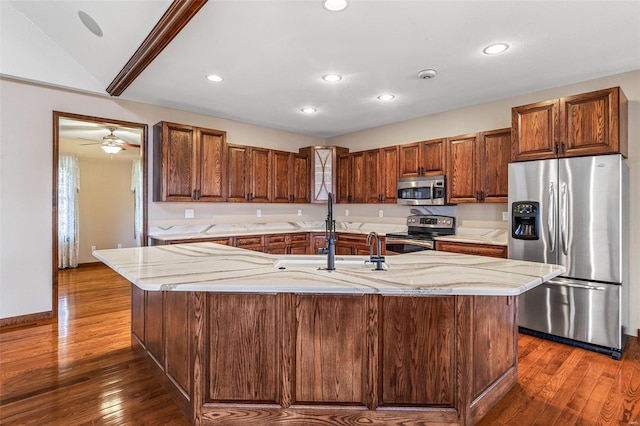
column 320, row 262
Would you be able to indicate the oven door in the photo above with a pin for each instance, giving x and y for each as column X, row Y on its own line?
column 395, row 245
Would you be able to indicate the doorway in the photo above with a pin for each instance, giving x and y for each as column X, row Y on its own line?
column 110, row 204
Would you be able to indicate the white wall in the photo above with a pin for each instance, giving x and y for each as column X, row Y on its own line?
column 497, row 114
column 105, row 205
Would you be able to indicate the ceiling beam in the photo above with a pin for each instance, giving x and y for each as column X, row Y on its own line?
column 172, row 22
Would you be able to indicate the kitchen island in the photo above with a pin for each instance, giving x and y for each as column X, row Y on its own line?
column 241, row 337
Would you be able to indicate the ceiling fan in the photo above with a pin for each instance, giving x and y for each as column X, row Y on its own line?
column 112, row 144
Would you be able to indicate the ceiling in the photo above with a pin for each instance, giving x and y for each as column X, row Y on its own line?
column 85, row 139
column 273, row 54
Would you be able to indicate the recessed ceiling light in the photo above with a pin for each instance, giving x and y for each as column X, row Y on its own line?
column 334, row 5
column 386, row 97
column 308, row 110
column 496, row 48
column 215, row 78
column 332, row 78
column 90, row 23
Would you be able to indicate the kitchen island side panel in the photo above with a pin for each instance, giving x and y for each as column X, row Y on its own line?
column 285, row 358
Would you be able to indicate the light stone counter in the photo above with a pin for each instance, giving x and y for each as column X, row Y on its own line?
column 217, row 268
column 496, row 237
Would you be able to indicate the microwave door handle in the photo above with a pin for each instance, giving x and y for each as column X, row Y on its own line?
column 431, row 192
column 551, row 221
column 564, row 211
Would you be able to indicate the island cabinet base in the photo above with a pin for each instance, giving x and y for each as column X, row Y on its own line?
column 315, row 359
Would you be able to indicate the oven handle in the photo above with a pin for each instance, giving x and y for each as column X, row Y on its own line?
column 425, row 244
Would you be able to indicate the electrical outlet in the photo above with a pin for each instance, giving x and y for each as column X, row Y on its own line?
column 93, row 248
column 380, row 213
column 189, row 213
column 299, row 212
column 259, row 213
column 346, row 212
column 505, row 216
column 119, row 245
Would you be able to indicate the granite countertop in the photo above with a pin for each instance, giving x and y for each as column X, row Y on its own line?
column 218, row 268
column 496, row 237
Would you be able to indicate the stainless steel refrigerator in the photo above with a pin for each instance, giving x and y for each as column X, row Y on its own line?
column 573, row 212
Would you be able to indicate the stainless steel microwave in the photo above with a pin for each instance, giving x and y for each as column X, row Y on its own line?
column 422, row 191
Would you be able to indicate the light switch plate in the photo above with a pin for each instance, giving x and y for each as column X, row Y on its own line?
column 189, row 213
column 259, row 212
column 380, row 213
column 346, row 212
column 505, row 216
column 299, row 212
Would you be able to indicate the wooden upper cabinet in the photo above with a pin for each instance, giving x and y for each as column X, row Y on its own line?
column 477, row 170
column 260, row 178
column 281, row 179
column 389, row 175
column 299, row 178
column 358, row 167
column 189, row 163
column 323, row 171
column 462, row 157
column 372, row 176
column 425, row 158
column 344, row 187
column 493, row 169
column 586, row 124
column 594, row 123
column 238, row 173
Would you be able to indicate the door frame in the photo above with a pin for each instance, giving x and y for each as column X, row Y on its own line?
column 56, row 149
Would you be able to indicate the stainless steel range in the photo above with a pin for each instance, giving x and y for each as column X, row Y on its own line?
column 421, row 231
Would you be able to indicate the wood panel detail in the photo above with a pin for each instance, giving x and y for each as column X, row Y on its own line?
column 330, row 350
column 177, row 348
column 242, row 359
column 473, row 249
column 137, row 312
column 417, row 351
column 153, row 325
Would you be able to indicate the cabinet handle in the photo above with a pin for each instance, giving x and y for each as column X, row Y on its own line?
column 562, row 147
column 482, row 196
column 251, row 196
column 195, row 195
column 421, row 171
column 349, row 198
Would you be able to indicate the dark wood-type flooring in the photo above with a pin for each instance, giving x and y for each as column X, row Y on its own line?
column 84, row 371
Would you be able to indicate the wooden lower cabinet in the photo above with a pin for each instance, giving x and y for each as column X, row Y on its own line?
column 285, row 358
column 489, row 250
column 356, row 244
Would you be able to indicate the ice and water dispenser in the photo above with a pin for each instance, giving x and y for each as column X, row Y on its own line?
column 525, row 220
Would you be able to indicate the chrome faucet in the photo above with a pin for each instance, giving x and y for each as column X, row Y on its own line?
column 378, row 259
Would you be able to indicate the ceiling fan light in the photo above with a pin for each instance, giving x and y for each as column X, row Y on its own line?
column 111, row 149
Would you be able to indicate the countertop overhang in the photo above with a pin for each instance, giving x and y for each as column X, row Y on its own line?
column 213, row 267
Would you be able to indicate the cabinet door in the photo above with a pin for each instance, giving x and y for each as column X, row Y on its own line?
column 589, row 123
column 300, row 178
column 372, row 176
column 344, row 184
column 535, row 131
column 494, row 165
column 433, row 157
column 462, row 184
column 472, row 249
column 238, row 173
column 178, row 156
column 281, row 178
column 389, row 174
column 410, row 163
column 211, row 176
column 260, row 175
column 357, row 175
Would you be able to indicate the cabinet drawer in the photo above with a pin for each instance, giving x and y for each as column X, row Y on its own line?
column 473, row 249
column 299, row 238
column 249, row 241
column 276, row 238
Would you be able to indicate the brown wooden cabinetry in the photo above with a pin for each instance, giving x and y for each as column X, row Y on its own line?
column 356, row 244
column 323, row 171
column 218, row 240
column 317, row 241
column 358, row 167
column 425, row 158
column 473, row 249
column 189, row 163
column 381, row 175
column 344, row 187
column 297, row 243
column 290, row 177
column 253, row 242
column 250, row 170
column 586, row 124
column 477, row 167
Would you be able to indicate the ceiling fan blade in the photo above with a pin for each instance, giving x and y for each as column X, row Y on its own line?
column 130, row 145
column 91, row 143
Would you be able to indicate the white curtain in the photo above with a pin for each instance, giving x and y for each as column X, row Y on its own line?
column 68, row 187
column 136, row 188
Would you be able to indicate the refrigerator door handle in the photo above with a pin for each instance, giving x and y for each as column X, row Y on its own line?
column 580, row 286
column 551, row 223
column 564, row 212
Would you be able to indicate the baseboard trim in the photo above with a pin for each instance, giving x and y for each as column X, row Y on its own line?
column 24, row 321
